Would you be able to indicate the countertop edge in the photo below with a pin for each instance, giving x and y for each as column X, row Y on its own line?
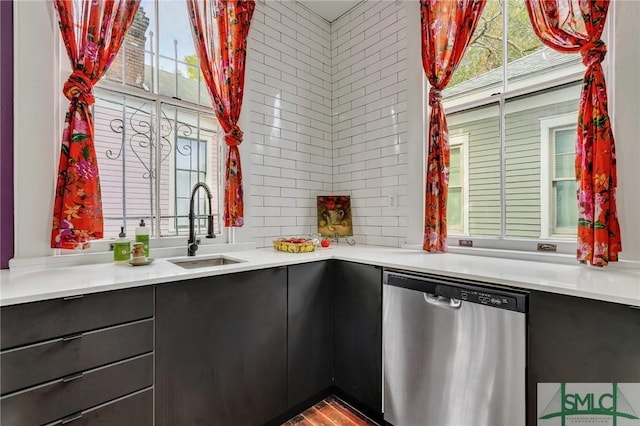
column 619, row 286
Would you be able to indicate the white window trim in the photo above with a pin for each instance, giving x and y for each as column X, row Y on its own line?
column 547, row 126
column 462, row 140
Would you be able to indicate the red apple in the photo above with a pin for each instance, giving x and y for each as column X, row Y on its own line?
column 325, row 243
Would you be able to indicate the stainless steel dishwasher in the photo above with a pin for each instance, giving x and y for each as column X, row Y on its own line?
column 454, row 352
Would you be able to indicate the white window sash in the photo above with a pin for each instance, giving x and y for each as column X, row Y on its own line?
column 547, row 172
column 462, row 140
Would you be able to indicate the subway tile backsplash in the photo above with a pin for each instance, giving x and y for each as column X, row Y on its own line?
column 327, row 111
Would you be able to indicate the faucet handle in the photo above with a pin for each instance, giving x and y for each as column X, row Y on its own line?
column 193, row 248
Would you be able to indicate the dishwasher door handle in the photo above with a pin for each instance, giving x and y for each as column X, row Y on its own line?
column 442, row 301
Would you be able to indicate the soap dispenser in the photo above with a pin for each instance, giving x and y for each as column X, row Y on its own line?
column 121, row 248
column 142, row 236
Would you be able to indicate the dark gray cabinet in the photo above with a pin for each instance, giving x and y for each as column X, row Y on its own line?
column 70, row 395
column 221, row 349
column 66, row 356
column 134, row 410
column 574, row 340
column 63, row 359
column 358, row 332
column 310, row 331
column 39, row 321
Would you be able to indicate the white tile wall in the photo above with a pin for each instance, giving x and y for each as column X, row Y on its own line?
column 327, row 115
column 369, row 119
column 290, row 132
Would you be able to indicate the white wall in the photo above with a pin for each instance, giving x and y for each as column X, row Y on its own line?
column 289, row 129
column 37, row 121
column 370, row 119
column 624, row 92
column 332, row 147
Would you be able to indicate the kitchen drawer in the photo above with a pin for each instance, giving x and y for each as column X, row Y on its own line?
column 62, row 398
column 40, row 321
column 31, row 365
column 132, row 410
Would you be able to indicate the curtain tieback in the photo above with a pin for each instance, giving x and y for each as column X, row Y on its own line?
column 593, row 52
column 79, row 87
column 435, row 96
column 234, row 136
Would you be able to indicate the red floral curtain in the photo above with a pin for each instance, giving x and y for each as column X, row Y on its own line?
column 220, row 29
column 576, row 26
column 447, row 27
column 92, row 32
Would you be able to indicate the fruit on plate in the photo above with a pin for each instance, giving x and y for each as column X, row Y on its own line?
column 325, row 243
column 296, row 240
column 294, row 245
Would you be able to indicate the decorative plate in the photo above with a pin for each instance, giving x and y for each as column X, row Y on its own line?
column 148, row 262
column 294, row 245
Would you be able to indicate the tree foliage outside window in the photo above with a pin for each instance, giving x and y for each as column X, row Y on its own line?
column 192, row 73
column 485, row 50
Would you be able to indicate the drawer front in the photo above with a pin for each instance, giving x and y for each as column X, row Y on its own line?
column 40, row 321
column 24, row 367
column 60, row 399
column 132, row 410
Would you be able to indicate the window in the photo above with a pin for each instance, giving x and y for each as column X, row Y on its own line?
column 565, row 209
column 155, row 131
column 558, row 185
column 506, row 85
column 457, row 200
column 190, row 168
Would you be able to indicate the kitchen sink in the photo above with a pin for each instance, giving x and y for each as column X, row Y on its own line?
column 205, row 262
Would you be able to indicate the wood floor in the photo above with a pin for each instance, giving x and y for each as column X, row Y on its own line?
column 330, row 412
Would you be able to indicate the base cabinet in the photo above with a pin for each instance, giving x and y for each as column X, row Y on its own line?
column 69, row 359
column 358, row 332
column 134, row 410
column 576, row 340
column 310, row 330
column 221, row 349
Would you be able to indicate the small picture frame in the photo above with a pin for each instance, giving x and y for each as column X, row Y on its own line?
column 334, row 216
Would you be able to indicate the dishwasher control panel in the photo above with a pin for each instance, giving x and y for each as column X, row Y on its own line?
column 488, row 299
column 478, row 296
column 459, row 290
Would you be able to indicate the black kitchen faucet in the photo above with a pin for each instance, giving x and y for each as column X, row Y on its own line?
column 192, row 244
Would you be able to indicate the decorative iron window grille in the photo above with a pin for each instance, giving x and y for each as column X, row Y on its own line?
column 156, row 134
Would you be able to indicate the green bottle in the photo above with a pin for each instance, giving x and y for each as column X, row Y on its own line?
column 142, row 236
column 121, row 248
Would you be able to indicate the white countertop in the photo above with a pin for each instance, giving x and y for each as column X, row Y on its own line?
column 606, row 284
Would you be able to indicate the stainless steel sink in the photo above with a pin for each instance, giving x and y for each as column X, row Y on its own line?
column 205, row 262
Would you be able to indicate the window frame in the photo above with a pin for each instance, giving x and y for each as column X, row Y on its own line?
column 460, row 244
column 154, row 97
column 157, row 102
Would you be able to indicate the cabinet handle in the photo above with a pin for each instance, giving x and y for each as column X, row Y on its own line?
column 70, row 418
column 72, row 337
column 72, row 377
column 77, row 296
